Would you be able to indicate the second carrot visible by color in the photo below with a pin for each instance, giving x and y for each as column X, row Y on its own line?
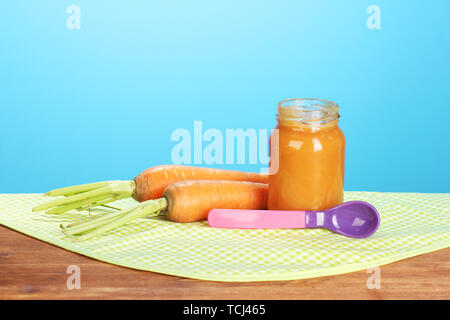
column 185, row 201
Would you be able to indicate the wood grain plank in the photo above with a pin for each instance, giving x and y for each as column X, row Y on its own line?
column 33, row 269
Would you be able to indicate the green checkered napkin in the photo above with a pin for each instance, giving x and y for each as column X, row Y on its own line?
column 411, row 224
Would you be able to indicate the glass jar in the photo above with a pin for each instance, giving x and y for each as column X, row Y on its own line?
column 307, row 157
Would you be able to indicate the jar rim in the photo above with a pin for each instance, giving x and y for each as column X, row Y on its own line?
column 308, row 111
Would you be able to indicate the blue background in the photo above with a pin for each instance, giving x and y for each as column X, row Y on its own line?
column 101, row 102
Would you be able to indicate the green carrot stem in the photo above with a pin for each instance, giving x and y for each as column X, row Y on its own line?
column 111, row 207
column 96, row 222
column 104, row 191
column 77, row 223
column 67, row 191
column 103, row 203
column 111, row 190
column 73, row 224
column 75, row 204
column 85, row 228
column 144, row 209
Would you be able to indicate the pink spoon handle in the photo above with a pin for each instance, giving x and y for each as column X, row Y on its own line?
column 256, row 219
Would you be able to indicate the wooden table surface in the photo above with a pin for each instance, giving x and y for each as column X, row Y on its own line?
column 33, row 269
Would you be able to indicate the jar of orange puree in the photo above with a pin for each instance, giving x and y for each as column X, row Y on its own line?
column 307, row 158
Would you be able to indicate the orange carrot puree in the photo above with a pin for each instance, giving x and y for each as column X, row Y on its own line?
column 310, row 172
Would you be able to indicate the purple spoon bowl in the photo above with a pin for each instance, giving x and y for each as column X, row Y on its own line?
column 356, row 219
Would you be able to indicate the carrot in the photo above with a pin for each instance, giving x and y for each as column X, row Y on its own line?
column 190, row 201
column 148, row 185
column 185, row 201
column 151, row 183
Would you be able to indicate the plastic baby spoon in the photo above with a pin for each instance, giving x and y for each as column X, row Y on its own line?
column 356, row 219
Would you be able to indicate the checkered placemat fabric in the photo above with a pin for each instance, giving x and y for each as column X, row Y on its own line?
column 411, row 224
